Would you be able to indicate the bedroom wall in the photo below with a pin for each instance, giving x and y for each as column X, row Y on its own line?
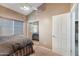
column 10, row 14
column 44, row 16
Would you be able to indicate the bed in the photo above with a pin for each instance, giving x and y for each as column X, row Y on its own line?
column 15, row 46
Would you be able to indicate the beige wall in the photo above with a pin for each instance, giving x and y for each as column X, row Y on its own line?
column 44, row 16
column 10, row 14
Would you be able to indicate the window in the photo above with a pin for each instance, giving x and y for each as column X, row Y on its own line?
column 18, row 27
column 10, row 27
column 6, row 27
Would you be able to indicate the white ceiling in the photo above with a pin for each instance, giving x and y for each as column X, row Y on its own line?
column 16, row 7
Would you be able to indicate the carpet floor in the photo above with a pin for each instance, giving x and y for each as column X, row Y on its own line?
column 42, row 51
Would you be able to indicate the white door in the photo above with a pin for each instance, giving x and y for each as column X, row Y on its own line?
column 61, row 34
column 55, row 33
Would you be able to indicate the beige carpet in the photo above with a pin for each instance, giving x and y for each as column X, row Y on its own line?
column 42, row 51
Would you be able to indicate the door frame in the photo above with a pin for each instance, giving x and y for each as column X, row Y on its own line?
column 28, row 27
column 72, row 43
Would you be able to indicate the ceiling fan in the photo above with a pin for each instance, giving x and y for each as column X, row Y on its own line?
column 27, row 6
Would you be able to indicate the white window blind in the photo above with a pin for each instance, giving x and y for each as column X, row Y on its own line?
column 18, row 27
column 10, row 27
column 6, row 27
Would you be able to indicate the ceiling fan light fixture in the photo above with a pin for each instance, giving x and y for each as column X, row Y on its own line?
column 25, row 8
